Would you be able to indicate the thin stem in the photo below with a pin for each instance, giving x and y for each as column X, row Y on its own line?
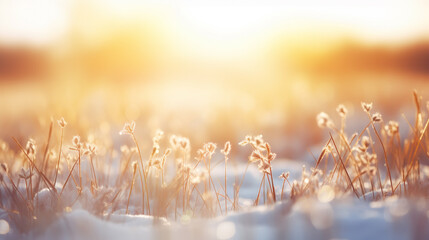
column 59, row 156
column 144, row 172
column 131, row 189
column 226, row 194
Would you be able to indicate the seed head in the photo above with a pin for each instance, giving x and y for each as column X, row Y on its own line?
column 255, row 156
column 342, row 110
column 376, row 117
column 128, row 128
column 264, row 166
column 62, row 123
column 392, row 128
column 209, row 148
column 284, row 175
column 246, row 141
column 227, row 148
column 158, row 136
column 77, row 145
column 323, row 120
column 365, row 142
column 271, row 156
column 76, row 141
column 366, row 106
column 31, row 147
column 92, row 149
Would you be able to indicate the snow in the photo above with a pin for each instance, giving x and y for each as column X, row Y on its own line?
column 306, row 219
column 323, row 217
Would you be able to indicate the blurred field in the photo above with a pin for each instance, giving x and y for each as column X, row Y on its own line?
column 208, row 71
column 132, row 118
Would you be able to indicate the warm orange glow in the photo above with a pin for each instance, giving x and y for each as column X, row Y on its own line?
column 208, row 65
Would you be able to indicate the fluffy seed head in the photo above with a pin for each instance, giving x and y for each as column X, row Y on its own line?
column 227, row 148
column 264, row 166
column 376, row 117
column 255, row 156
column 342, row 110
column 323, row 120
column 209, row 148
column 128, row 128
column 392, row 128
column 365, row 142
column 31, row 147
column 366, row 106
column 62, row 123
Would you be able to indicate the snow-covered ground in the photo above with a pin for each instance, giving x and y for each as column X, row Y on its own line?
column 344, row 217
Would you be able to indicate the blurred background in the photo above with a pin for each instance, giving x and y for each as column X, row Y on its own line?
column 208, row 70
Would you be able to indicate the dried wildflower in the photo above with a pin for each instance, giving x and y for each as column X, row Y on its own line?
column 91, row 149
column 158, row 136
column 227, row 148
column 173, row 141
column 155, row 163
column 167, row 152
column 365, row 142
column 209, row 148
column 316, row 172
column 155, row 151
column 25, row 174
column 62, row 123
column 245, row 141
column 342, row 110
column 164, row 157
column 284, row 175
column 392, row 128
column 376, row 117
column 128, row 128
column 31, row 147
column 200, row 155
column 258, row 141
column 271, row 156
column 323, row 120
column 77, row 145
column 76, row 141
column 255, row 156
column 184, row 143
column 178, row 142
column 366, row 106
column 264, row 166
